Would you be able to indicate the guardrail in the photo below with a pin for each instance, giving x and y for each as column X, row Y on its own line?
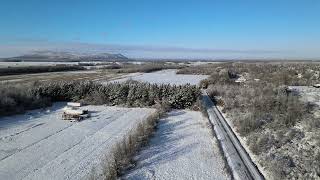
column 238, row 159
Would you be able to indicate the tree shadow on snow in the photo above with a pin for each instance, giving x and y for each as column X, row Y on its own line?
column 7, row 121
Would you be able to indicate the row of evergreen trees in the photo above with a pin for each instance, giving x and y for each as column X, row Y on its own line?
column 18, row 98
column 131, row 94
column 38, row 69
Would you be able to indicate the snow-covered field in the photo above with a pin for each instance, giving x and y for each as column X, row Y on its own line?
column 183, row 147
column 164, row 77
column 94, row 75
column 39, row 145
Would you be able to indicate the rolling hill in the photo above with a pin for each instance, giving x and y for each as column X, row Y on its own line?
column 64, row 56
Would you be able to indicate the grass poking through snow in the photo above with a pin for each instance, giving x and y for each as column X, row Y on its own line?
column 121, row 158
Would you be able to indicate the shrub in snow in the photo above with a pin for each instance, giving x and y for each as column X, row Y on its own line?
column 278, row 127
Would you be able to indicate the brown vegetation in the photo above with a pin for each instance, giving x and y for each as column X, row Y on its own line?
column 38, row 69
column 278, row 127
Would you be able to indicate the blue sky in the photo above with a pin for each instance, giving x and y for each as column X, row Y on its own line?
column 165, row 28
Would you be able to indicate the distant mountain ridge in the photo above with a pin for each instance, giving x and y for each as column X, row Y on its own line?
column 67, row 56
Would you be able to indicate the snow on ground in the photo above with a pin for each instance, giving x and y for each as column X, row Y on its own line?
column 308, row 93
column 40, row 145
column 164, row 77
column 183, row 147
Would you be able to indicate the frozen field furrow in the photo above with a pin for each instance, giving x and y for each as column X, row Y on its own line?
column 59, row 149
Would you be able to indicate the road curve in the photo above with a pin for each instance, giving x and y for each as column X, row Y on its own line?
column 238, row 159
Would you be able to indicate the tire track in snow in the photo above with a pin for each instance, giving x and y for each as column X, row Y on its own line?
column 32, row 162
column 110, row 142
column 68, row 166
column 22, row 131
column 75, row 145
column 34, row 143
